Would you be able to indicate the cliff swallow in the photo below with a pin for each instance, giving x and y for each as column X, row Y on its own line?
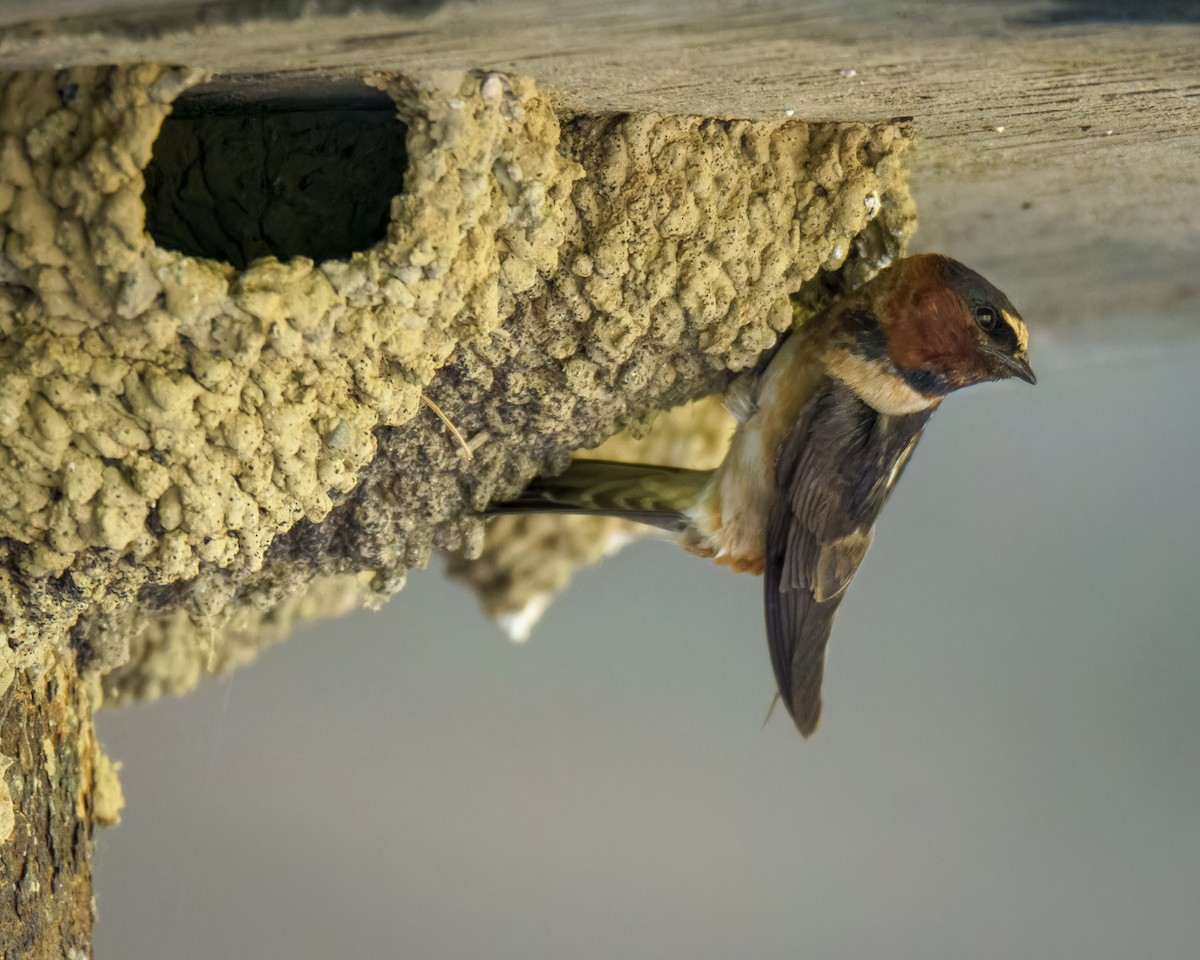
column 825, row 429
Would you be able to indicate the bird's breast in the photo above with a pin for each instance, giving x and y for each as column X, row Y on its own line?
column 729, row 521
column 731, row 525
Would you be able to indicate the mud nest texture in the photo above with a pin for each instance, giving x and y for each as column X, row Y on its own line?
column 189, row 448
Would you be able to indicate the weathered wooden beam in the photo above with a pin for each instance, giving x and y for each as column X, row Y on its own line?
column 49, row 763
column 1057, row 137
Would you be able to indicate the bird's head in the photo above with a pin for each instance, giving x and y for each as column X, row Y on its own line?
column 947, row 327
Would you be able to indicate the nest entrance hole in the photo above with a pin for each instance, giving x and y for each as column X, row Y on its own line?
column 246, row 168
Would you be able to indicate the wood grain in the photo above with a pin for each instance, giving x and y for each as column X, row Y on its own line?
column 1058, row 138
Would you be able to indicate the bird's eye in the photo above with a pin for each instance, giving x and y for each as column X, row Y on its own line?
column 986, row 317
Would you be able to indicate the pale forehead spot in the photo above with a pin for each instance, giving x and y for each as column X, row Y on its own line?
column 1018, row 328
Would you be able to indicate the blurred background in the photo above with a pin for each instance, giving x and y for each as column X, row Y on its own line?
column 1008, row 764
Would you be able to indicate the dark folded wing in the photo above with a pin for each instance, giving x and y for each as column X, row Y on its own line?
column 836, row 469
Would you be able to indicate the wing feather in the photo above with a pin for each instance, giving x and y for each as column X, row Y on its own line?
column 836, row 469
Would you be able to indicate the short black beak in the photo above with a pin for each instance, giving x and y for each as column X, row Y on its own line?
column 1006, row 365
column 1019, row 367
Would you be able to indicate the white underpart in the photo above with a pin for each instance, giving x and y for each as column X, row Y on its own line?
column 749, row 482
column 743, row 487
column 744, row 483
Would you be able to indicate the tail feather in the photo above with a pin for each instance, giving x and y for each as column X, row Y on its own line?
column 658, row 496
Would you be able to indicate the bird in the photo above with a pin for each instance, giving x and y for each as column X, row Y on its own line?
column 825, row 427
